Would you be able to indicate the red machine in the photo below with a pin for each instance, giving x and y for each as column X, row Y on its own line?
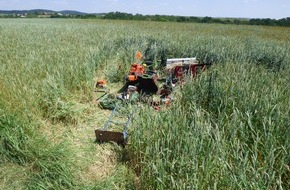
column 192, row 69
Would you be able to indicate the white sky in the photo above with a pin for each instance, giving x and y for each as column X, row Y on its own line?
column 275, row 9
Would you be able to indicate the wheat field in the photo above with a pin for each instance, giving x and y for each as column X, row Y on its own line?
column 227, row 129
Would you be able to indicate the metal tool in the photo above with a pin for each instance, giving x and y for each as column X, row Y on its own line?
column 104, row 135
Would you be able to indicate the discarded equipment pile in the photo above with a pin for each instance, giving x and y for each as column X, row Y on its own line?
column 140, row 86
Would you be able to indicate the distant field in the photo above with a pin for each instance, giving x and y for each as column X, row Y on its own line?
column 233, row 134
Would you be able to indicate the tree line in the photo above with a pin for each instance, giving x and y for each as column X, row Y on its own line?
column 193, row 19
column 166, row 18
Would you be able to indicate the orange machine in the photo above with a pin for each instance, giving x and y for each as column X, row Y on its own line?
column 101, row 83
column 135, row 71
column 145, row 81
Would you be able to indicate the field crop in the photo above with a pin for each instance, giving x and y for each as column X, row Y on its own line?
column 228, row 128
column 223, row 134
